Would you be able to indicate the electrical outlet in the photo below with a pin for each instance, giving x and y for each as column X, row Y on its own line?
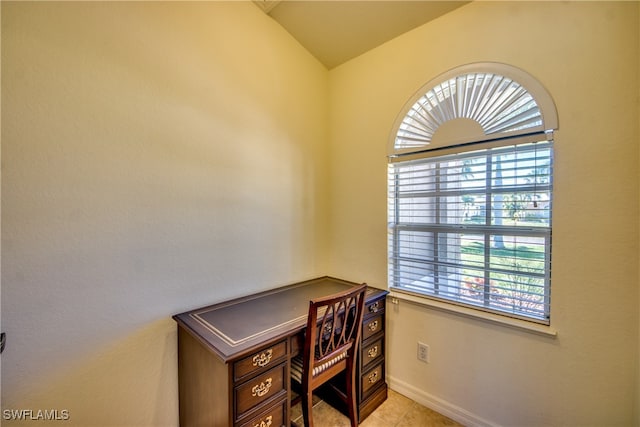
column 423, row 352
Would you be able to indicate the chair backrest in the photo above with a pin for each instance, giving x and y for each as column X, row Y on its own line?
column 333, row 333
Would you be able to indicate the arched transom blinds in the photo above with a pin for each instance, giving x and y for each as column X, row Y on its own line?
column 473, row 103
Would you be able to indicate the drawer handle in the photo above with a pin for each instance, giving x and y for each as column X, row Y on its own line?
column 262, row 388
column 373, row 377
column 265, row 423
column 373, row 325
column 373, row 308
column 328, row 328
column 373, row 352
column 263, row 358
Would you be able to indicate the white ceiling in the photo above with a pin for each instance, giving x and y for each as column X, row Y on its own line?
column 335, row 31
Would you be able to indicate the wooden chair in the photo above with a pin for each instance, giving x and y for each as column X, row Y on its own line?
column 330, row 347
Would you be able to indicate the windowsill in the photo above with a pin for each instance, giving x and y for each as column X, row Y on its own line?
column 401, row 294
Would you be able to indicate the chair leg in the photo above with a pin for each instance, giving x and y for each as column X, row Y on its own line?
column 307, row 405
column 351, row 395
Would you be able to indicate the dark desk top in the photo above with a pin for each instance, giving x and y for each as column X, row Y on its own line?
column 235, row 327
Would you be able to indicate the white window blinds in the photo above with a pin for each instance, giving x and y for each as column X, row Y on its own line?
column 475, row 228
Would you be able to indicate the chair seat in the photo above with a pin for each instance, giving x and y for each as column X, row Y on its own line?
column 296, row 366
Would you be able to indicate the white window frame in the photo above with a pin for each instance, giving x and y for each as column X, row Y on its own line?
column 442, row 101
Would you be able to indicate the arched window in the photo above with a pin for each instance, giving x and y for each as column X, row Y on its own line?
column 470, row 186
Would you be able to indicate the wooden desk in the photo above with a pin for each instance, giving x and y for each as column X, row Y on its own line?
column 234, row 357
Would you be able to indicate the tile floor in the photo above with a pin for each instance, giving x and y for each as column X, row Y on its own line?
column 396, row 411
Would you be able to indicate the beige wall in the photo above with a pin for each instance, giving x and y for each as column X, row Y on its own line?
column 586, row 55
column 637, row 408
column 156, row 157
column 161, row 156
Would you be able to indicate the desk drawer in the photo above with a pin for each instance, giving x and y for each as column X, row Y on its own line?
column 370, row 379
column 372, row 353
column 374, row 307
column 372, row 326
column 259, row 389
column 274, row 417
column 266, row 357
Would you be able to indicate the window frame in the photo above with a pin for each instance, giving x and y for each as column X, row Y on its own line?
column 483, row 105
column 429, row 290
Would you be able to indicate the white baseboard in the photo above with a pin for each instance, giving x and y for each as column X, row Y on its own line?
column 443, row 407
